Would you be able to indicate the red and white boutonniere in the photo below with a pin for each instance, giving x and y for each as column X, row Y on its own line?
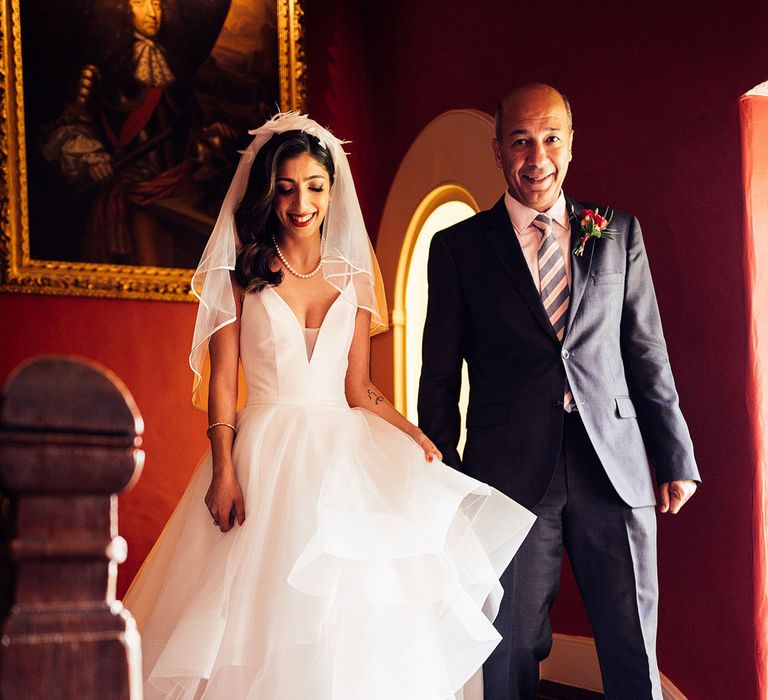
column 593, row 225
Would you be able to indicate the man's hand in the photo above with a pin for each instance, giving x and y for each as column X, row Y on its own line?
column 673, row 495
column 100, row 172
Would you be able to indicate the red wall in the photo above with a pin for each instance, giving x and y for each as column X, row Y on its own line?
column 146, row 345
column 654, row 93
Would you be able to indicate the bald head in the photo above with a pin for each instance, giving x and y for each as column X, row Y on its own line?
column 523, row 93
column 533, row 143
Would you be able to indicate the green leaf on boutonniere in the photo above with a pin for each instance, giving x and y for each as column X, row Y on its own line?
column 592, row 225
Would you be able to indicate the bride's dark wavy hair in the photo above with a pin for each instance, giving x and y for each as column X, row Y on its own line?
column 255, row 218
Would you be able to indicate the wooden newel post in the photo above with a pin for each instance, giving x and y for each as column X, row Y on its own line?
column 69, row 442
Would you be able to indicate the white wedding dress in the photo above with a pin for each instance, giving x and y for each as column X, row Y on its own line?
column 361, row 572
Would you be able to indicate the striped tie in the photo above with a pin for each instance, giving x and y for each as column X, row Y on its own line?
column 553, row 286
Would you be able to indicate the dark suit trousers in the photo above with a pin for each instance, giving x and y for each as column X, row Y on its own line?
column 612, row 549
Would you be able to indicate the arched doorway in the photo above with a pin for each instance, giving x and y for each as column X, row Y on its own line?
column 447, row 173
column 443, row 207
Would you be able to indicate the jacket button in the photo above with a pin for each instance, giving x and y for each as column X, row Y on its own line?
column 565, row 354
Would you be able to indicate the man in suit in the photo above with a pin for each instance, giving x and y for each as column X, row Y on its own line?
column 571, row 393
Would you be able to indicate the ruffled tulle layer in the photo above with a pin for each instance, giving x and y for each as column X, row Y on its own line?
column 361, row 571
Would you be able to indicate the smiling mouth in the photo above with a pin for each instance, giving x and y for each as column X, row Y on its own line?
column 302, row 220
column 536, row 179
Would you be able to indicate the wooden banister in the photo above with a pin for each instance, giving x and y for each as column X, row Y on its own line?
column 70, row 437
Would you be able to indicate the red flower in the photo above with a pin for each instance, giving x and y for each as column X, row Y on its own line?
column 595, row 218
column 593, row 224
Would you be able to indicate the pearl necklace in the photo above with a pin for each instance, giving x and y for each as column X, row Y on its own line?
column 291, row 268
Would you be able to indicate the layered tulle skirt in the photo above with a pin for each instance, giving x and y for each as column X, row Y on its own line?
column 361, row 570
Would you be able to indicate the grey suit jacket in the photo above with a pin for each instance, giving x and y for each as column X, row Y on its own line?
column 484, row 307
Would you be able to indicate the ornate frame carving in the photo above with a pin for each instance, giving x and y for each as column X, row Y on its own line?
column 18, row 271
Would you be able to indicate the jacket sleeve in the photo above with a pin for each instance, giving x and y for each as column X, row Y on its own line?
column 652, row 387
column 443, row 350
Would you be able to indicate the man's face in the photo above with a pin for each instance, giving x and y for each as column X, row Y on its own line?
column 147, row 15
column 535, row 148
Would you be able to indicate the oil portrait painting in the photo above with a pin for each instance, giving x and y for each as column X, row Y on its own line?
column 129, row 120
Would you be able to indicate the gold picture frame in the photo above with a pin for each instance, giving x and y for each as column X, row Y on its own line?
column 22, row 273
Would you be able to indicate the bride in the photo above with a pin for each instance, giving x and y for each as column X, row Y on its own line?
column 321, row 549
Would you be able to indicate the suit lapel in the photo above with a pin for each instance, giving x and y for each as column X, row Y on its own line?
column 503, row 240
column 580, row 264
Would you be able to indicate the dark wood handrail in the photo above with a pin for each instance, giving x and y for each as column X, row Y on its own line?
column 70, row 437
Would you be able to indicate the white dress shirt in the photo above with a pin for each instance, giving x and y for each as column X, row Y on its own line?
column 529, row 236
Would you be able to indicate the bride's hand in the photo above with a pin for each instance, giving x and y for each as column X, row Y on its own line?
column 430, row 450
column 225, row 501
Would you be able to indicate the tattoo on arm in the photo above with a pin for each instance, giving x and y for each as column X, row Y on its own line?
column 373, row 396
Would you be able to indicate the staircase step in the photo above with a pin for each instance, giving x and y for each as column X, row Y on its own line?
column 548, row 690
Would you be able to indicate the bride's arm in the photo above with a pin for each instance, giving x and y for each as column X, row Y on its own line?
column 224, row 498
column 361, row 393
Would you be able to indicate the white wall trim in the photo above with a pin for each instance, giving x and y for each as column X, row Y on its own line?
column 573, row 661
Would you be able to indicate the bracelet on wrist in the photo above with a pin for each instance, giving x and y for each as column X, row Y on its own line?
column 226, row 425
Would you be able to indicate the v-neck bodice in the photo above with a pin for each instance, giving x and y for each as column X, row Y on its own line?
column 310, row 339
column 273, row 350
